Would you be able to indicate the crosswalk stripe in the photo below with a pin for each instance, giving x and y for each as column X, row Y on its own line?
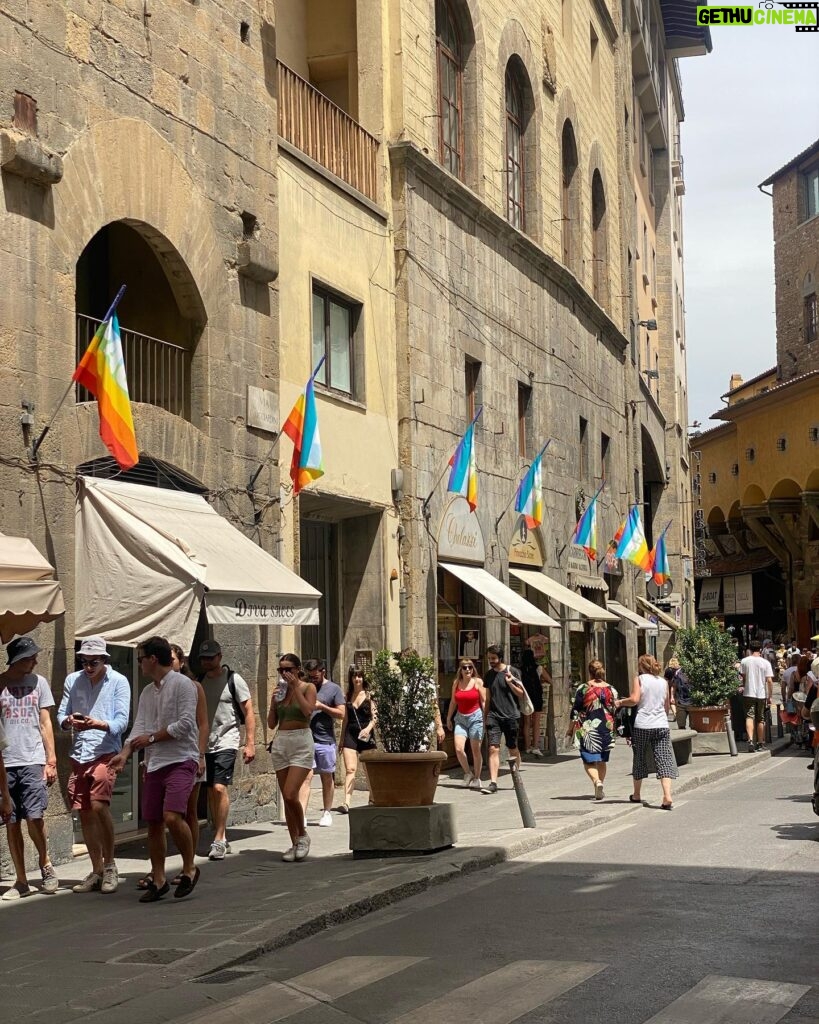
column 263, row 1005
column 722, row 1000
column 505, row 994
column 350, row 973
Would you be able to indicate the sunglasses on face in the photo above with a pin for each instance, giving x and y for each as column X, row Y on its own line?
column 287, row 668
column 90, row 662
column 467, row 668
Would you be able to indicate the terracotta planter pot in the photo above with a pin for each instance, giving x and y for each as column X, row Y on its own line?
column 403, row 780
column 710, row 719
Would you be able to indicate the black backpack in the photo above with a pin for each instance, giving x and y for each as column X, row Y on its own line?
column 237, row 707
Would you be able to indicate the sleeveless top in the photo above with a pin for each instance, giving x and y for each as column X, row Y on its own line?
column 359, row 718
column 468, row 701
column 651, row 712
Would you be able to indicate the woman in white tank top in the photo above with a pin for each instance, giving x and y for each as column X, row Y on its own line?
column 649, row 694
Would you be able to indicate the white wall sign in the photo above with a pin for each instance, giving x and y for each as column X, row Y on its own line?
column 578, row 560
column 729, row 596
column 525, row 548
column 460, row 537
column 262, row 410
column 709, row 595
column 744, row 588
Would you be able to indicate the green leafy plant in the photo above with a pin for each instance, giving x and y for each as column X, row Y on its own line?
column 708, row 656
column 405, row 696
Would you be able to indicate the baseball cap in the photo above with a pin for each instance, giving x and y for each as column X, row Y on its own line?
column 94, row 646
column 208, row 648
column 21, row 648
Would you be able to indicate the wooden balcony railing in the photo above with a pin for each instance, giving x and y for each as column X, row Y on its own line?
column 325, row 133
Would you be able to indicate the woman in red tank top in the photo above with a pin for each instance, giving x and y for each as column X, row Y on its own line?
column 468, row 709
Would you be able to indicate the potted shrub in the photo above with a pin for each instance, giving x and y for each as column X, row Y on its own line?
column 405, row 773
column 708, row 656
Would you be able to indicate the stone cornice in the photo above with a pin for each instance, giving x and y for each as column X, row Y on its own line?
column 408, row 155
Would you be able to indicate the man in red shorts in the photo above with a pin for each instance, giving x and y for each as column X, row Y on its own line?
column 165, row 728
column 95, row 706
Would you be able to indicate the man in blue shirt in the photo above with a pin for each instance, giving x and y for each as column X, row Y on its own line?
column 96, row 704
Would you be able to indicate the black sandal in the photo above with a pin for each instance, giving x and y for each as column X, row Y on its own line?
column 145, row 882
column 632, row 799
column 666, row 807
column 154, row 893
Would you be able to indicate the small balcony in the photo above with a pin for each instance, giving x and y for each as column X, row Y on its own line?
column 158, row 372
column 326, row 134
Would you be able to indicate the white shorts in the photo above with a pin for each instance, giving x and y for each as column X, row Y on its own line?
column 292, row 748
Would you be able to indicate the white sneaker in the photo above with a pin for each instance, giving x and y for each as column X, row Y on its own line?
column 218, row 849
column 302, row 847
column 536, row 752
column 468, row 777
column 91, row 883
column 289, row 855
column 326, row 819
column 474, row 783
column 110, row 878
column 50, row 881
column 16, row 892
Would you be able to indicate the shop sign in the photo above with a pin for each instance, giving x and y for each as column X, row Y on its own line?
column 578, row 561
column 525, row 547
column 460, row 537
column 612, row 565
column 263, row 410
column 688, row 568
column 729, row 596
column 744, row 590
column 709, row 595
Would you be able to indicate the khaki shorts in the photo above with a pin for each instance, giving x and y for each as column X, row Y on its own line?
column 292, row 748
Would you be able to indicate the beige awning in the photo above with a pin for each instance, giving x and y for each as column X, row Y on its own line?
column 557, row 592
column 591, row 583
column 661, row 615
column 630, row 616
column 147, row 557
column 29, row 594
column 499, row 595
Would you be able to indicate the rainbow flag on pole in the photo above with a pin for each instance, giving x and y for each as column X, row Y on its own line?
column 659, row 569
column 632, row 545
column 529, row 497
column 102, row 372
column 463, row 479
column 585, row 533
column 301, row 426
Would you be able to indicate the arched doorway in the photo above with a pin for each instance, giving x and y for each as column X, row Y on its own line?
column 161, row 315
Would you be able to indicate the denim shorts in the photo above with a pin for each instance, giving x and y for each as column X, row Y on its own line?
column 470, row 725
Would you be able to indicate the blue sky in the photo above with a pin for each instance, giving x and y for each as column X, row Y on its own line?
column 750, row 106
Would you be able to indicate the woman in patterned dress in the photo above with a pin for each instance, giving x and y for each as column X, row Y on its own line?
column 592, row 722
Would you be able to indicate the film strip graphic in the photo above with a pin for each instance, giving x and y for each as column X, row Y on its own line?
column 804, row 7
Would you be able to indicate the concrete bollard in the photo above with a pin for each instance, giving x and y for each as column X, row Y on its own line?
column 732, row 741
column 526, row 813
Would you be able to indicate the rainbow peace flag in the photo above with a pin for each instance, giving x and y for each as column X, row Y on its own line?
column 529, row 497
column 102, row 372
column 463, row 478
column 659, row 569
column 301, row 426
column 585, row 533
column 632, row 545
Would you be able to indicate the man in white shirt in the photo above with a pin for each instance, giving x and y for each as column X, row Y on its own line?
column 165, row 728
column 757, row 681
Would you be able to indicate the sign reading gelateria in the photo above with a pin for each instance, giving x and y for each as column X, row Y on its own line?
column 460, row 537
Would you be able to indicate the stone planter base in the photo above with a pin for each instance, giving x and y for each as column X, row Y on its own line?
column 390, row 831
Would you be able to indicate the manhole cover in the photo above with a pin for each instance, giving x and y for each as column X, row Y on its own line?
column 153, row 956
column 222, row 977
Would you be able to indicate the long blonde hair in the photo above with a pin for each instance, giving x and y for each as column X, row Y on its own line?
column 462, row 677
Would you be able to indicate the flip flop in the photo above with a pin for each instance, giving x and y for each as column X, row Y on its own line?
column 187, row 885
column 632, row 799
column 154, row 893
column 144, row 883
column 666, row 807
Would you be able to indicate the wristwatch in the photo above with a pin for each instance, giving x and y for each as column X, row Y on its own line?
column 152, row 738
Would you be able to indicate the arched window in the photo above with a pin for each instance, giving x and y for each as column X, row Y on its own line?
column 599, row 240
column 569, row 198
column 515, row 152
column 450, row 89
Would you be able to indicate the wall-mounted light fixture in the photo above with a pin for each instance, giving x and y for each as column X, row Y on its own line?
column 650, row 325
column 651, row 374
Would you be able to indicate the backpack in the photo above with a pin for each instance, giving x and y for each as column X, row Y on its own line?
column 237, row 707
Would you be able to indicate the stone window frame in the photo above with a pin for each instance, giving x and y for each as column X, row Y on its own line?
column 809, row 192
column 600, row 275
column 328, row 293
column 515, row 146
column 810, row 313
column 463, row 17
column 571, row 248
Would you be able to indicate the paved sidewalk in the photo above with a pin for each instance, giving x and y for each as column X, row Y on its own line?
column 68, row 956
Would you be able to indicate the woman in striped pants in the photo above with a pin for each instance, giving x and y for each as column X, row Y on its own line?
column 649, row 694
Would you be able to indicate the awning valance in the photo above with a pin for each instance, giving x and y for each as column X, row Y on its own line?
column 29, row 594
column 630, row 616
column 557, row 592
column 499, row 595
column 591, row 583
column 666, row 620
column 146, row 557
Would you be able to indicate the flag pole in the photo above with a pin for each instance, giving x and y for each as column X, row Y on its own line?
column 426, row 501
column 255, row 475
column 528, row 468
column 36, row 446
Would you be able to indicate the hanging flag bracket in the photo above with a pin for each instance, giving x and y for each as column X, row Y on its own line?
column 42, row 435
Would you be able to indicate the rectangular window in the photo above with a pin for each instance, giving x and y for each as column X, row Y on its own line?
column 811, row 179
column 472, row 382
column 334, row 325
column 524, row 420
column 643, row 143
column 584, row 450
column 811, row 325
column 605, row 456
column 651, row 174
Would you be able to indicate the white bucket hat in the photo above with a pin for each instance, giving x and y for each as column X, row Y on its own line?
column 94, row 645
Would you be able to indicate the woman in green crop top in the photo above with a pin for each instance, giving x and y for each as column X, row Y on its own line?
column 291, row 751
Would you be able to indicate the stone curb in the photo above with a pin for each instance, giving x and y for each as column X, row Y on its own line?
column 458, row 863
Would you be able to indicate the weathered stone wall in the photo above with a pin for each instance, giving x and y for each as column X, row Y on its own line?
column 164, row 118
